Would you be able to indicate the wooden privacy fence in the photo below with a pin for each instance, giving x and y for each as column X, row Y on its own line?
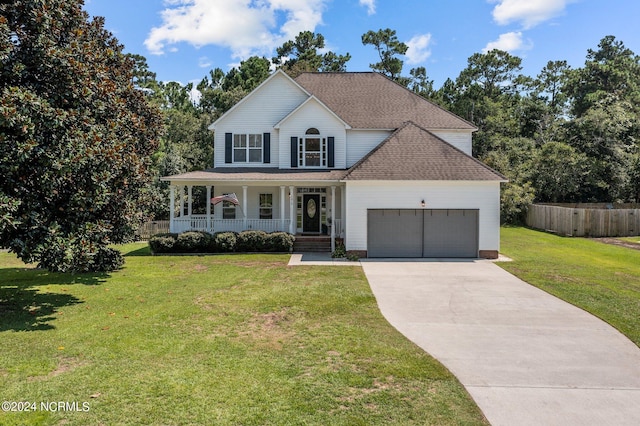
column 586, row 220
column 148, row 229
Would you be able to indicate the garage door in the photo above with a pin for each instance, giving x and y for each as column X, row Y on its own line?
column 422, row 233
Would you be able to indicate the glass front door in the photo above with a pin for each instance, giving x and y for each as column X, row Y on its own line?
column 311, row 213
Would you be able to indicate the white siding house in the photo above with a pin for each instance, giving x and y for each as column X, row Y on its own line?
column 350, row 157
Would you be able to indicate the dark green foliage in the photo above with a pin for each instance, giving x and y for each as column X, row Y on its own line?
column 251, row 241
column 302, row 56
column 568, row 135
column 279, row 242
column 339, row 252
column 222, row 242
column 163, row 243
column 389, row 49
column 76, row 138
column 193, row 242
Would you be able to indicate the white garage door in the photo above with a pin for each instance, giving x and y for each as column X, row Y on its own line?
column 422, row 233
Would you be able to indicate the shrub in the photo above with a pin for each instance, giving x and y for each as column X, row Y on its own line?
column 251, row 241
column 279, row 242
column 339, row 252
column 108, row 259
column 224, row 242
column 192, row 242
column 163, row 243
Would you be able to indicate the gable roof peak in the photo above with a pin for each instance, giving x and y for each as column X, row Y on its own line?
column 414, row 153
column 370, row 100
column 278, row 72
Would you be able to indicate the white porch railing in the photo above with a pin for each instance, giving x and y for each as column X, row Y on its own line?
column 339, row 230
column 201, row 223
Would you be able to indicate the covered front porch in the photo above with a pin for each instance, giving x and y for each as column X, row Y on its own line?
column 302, row 207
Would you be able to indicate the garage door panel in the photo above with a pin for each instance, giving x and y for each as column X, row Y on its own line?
column 450, row 233
column 395, row 233
column 422, row 233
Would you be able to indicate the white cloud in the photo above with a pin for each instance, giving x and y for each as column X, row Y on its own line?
column 528, row 12
column 418, row 50
column 204, row 62
column 245, row 26
column 370, row 5
column 508, row 42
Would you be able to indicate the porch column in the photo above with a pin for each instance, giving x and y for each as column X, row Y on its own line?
column 292, row 211
column 172, row 206
column 209, row 208
column 282, row 207
column 189, row 200
column 333, row 217
column 343, row 210
column 244, row 204
column 181, row 201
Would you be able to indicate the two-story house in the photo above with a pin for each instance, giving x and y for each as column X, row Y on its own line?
column 349, row 155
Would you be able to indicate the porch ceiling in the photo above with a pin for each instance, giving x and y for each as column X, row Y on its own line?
column 260, row 176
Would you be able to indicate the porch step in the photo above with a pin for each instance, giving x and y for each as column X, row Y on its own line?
column 312, row 244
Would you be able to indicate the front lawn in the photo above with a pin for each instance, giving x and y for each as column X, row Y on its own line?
column 600, row 278
column 233, row 339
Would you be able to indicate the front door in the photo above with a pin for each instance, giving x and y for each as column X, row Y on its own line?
column 311, row 213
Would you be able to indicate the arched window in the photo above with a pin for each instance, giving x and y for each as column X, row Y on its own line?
column 312, row 149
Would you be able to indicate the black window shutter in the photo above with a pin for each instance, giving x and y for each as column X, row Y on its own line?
column 331, row 154
column 228, row 147
column 266, row 148
column 294, row 151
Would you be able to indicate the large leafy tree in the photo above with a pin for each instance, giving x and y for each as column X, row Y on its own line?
column 76, row 138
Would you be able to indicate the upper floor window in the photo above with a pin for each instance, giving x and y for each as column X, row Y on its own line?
column 247, row 148
column 312, row 149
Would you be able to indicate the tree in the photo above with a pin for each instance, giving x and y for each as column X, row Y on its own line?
column 544, row 108
column 302, row 55
column 420, row 84
column 604, row 98
column 389, row 48
column 76, row 138
column 558, row 171
column 612, row 70
column 494, row 73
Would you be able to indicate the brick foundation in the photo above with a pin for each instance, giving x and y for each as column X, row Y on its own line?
column 488, row 254
column 362, row 254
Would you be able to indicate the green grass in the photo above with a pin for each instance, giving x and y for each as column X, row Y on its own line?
column 234, row 339
column 635, row 240
column 599, row 278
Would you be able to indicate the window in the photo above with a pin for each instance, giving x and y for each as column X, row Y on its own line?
column 247, row 148
column 266, row 206
column 239, row 148
column 228, row 210
column 312, row 149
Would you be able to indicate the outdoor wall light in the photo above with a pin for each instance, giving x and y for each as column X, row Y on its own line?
column 422, row 203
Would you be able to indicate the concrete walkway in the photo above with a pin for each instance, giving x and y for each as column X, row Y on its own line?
column 526, row 357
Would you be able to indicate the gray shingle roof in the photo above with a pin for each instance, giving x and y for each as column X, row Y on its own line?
column 368, row 100
column 413, row 153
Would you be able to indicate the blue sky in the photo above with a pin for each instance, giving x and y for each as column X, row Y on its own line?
column 183, row 39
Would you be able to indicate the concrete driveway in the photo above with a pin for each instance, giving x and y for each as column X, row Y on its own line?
column 526, row 357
